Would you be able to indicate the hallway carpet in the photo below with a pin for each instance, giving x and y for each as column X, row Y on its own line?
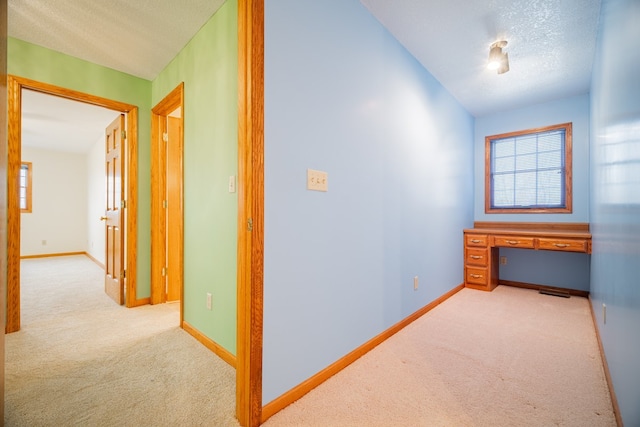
column 82, row 360
column 511, row 357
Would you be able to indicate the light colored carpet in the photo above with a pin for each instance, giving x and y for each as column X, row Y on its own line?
column 511, row 357
column 80, row 359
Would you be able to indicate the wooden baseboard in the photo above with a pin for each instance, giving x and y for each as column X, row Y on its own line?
column 305, row 387
column 572, row 292
column 51, row 255
column 87, row 254
column 101, row 265
column 605, row 365
column 220, row 351
column 140, row 302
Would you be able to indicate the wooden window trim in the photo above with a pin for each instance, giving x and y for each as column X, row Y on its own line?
column 29, row 165
column 568, row 192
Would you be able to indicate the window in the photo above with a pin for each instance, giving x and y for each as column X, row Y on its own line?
column 25, row 187
column 529, row 171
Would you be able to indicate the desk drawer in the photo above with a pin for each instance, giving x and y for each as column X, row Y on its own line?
column 514, row 241
column 476, row 276
column 570, row 245
column 477, row 240
column 477, row 256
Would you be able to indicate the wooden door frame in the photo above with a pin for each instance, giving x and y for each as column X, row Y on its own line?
column 250, row 212
column 175, row 99
column 3, row 199
column 15, row 85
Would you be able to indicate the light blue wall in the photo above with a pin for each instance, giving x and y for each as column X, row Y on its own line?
column 575, row 110
column 550, row 268
column 342, row 96
column 615, row 206
column 564, row 270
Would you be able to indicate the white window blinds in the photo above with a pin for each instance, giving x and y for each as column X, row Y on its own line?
column 528, row 171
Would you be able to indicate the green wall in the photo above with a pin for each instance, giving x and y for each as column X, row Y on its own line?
column 48, row 66
column 208, row 66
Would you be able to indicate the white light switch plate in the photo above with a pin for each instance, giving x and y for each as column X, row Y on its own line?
column 317, row 180
column 232, row 184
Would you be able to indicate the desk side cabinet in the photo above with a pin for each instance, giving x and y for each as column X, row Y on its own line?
column 480, row 262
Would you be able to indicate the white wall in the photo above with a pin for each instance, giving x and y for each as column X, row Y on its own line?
column 96, row 196
column 58, row 221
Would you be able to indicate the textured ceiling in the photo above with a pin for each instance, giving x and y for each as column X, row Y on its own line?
column 551, row 46
column 138, row 37
column 551, row 43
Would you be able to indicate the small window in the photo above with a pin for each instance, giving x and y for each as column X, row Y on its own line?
column 529, row 171
column 25, row 187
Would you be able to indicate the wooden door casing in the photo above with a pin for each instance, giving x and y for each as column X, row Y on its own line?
column 167, row 213
column 174, row 210
column 15, row 85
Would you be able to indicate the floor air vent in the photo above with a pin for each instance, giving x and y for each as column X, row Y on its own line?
column 555, row 292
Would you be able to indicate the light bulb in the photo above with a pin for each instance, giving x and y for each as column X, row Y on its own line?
column 498, row 60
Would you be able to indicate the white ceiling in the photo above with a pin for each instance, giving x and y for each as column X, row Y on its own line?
column 551, row 43
column 551, row 46
column 53, row 123
column 138, row 37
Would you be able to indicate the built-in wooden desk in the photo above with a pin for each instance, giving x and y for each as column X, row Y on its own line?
column 482, row 243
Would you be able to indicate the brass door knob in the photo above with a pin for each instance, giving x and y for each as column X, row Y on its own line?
column 103, row 218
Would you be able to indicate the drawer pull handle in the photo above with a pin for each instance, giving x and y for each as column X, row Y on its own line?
column 476, row 276
column 513, row 242
column 475, row 241
column 561, row 245
column 476, row 256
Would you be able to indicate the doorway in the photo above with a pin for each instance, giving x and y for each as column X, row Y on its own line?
column 167, row 213
column 14, row 91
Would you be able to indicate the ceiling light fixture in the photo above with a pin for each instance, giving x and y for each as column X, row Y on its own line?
column 498, row 60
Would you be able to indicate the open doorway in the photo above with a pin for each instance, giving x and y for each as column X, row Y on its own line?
column 167, row 212
column 16, row 85
column 62, row 187
column 63, row 149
